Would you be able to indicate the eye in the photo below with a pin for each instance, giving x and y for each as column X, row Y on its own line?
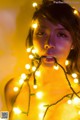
column 41, row 34
column 61, row 34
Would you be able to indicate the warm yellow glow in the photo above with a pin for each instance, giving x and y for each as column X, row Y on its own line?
column 34, row 25
column 76, row 12
column 79, row 112
column 37, row 73
column 16, row 110
column 23, row 76
column 28, row 49
column 76, row 80
column 33, row 68
column 34, row 4
column 74, row 75
column 41, row 106
column 41, row 115
column 67, row 62
column 35, row 86
column 15, row 89
column 76, row 100
column 27, row 66
column 34, row 51
column 21, row 81
column 56, row 67
column 69, row 101
column 39, row 95
column 31, row 56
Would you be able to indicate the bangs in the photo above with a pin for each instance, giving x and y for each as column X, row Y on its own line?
column 58, row 13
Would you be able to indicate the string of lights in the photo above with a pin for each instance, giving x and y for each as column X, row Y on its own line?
column 33, row 70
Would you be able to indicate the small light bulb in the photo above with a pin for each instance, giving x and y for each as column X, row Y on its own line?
column 15, row 89
column 69, row 101
column 34, row 4
column 34, row 25
column 76, row 100
column 76, row 80
column 74, row 75
column 27, row 66
column 41, row 106
column 37, row 73
column 35, row 86
column 34, row 51
column 16, row 110
column 31, row 56
column 21, row 81
column 23, row 76
column 76, row 12
column 28, row 49
column 67, row 62
column 33, row 68
column 79, row 112
column 41, row 115
column 56, row 67
column 39, row 95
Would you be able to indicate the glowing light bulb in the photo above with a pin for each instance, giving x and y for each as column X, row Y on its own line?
column 79, row 112
column 56, row 67
column 37, row 73
column 74, row 75
column 67, row 62
column 21, row 81
column 76, row 12
column 69, row 101
column 76, row 80
column 35, row 86
column 34, row 25
column 39, row 95
column 76, row 100
column 31, row 56
column 33, row 68
column 15, row 89
column 16, row 110
column 34, row 51
column 28, row 49
column 41, row 106
column 23, row 76
column 34, row 4
column 41, row 115
column 27, row 66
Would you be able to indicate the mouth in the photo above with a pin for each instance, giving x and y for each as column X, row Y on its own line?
column 49, row 59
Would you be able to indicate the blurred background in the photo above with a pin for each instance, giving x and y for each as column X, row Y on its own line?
column 15, row 20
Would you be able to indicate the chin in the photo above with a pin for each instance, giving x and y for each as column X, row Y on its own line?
column 48, row 64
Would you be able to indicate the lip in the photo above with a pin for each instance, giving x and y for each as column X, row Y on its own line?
column 48, row 58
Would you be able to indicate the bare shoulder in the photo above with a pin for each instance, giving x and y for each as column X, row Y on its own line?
column 14, row 90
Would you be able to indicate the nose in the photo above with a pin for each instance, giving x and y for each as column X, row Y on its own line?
column 49, row 44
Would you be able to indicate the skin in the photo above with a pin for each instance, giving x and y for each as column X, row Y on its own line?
column 52, row 40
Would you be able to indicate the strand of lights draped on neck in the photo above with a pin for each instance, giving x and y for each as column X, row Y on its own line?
column 33, row 70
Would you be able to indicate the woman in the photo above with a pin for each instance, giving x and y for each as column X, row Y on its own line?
column 56, row 38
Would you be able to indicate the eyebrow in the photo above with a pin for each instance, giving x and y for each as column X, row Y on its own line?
column 42, row 26
column 61, row 29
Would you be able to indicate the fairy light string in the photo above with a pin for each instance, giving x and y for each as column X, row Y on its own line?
column 35, row 64
column 37, row 59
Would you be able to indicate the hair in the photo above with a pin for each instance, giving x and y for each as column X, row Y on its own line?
column 63, row 13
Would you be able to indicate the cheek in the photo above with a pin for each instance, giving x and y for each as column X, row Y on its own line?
column 38, row 44
column 64, row 48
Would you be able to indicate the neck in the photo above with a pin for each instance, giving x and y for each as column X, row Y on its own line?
column 50, row 75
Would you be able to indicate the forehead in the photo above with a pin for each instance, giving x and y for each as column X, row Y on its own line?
column 45, row 23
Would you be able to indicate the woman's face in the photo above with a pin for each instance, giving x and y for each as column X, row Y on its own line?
column 52, row 40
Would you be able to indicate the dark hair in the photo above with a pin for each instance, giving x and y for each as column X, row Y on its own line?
column 63, row 13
